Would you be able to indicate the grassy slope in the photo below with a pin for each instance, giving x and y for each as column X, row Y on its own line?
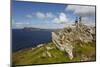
column 35, row 56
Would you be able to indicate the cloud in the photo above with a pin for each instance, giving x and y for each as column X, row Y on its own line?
column 62, row 18
column 87, row 12
column 46, row 15
column 56, row 20
column 18, row 25
column 88, row 20
column 81, row 10
column 40, row 15
column 29, row 16
column 49, row 15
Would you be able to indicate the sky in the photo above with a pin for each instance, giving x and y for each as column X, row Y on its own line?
column 49, row 15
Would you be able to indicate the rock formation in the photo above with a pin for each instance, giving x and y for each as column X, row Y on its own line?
column 65, row 39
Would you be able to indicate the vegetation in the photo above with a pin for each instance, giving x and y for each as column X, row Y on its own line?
column 38, row 55
column 80, row 42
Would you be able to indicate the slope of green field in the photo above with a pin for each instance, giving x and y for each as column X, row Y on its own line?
column 38, row 55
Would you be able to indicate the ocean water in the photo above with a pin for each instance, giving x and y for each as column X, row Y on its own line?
column 25, row 39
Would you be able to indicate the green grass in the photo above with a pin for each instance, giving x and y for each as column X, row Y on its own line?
column 35, row 56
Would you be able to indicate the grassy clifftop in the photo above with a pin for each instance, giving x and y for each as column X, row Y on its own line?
column 78, row 42
column 48, row 53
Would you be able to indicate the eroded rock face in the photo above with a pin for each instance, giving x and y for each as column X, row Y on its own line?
column 65, row 39
column 62, row 46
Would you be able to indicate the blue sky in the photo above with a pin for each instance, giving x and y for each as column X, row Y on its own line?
column 49, row 16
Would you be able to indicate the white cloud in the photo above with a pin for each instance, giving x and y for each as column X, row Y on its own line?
column 62, row 18
column 18, row 25
column 40, row 15
column 88, row 20
column 49, row 15
column 22, row 23
column 29, row 16
column 87, row 12
column 82, row 10
column 56, row 20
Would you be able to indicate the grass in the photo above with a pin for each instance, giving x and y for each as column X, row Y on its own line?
column 35, row 56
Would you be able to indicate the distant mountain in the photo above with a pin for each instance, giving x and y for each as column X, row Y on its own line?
column 30, row 28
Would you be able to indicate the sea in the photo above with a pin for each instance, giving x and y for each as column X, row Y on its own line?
column 22, row 39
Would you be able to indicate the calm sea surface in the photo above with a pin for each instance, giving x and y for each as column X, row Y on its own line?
column 24, row 39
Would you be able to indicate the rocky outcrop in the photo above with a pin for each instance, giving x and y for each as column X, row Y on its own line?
column 62, row 46
column 66, row 38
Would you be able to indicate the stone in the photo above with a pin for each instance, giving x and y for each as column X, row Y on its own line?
column 40, row 45
column 63, row 47
column 48, row 54
column 65, row 39
column 49, row 48
column 33, row 48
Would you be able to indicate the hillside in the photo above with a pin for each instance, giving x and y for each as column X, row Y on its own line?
column 50, row 54
column 72, row 44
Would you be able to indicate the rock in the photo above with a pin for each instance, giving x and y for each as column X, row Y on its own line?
column 33, row 48
column 56, row 41
column 69, row 50
column 40, row 45
column 48, row 54
column 63, row 47
column 84, row 58
column 49, row 48
column 65, row 39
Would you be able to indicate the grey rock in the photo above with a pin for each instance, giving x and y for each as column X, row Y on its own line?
column 65, row 39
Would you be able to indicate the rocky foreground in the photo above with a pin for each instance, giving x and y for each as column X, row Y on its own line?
column 71, row 44
column 67, row 39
